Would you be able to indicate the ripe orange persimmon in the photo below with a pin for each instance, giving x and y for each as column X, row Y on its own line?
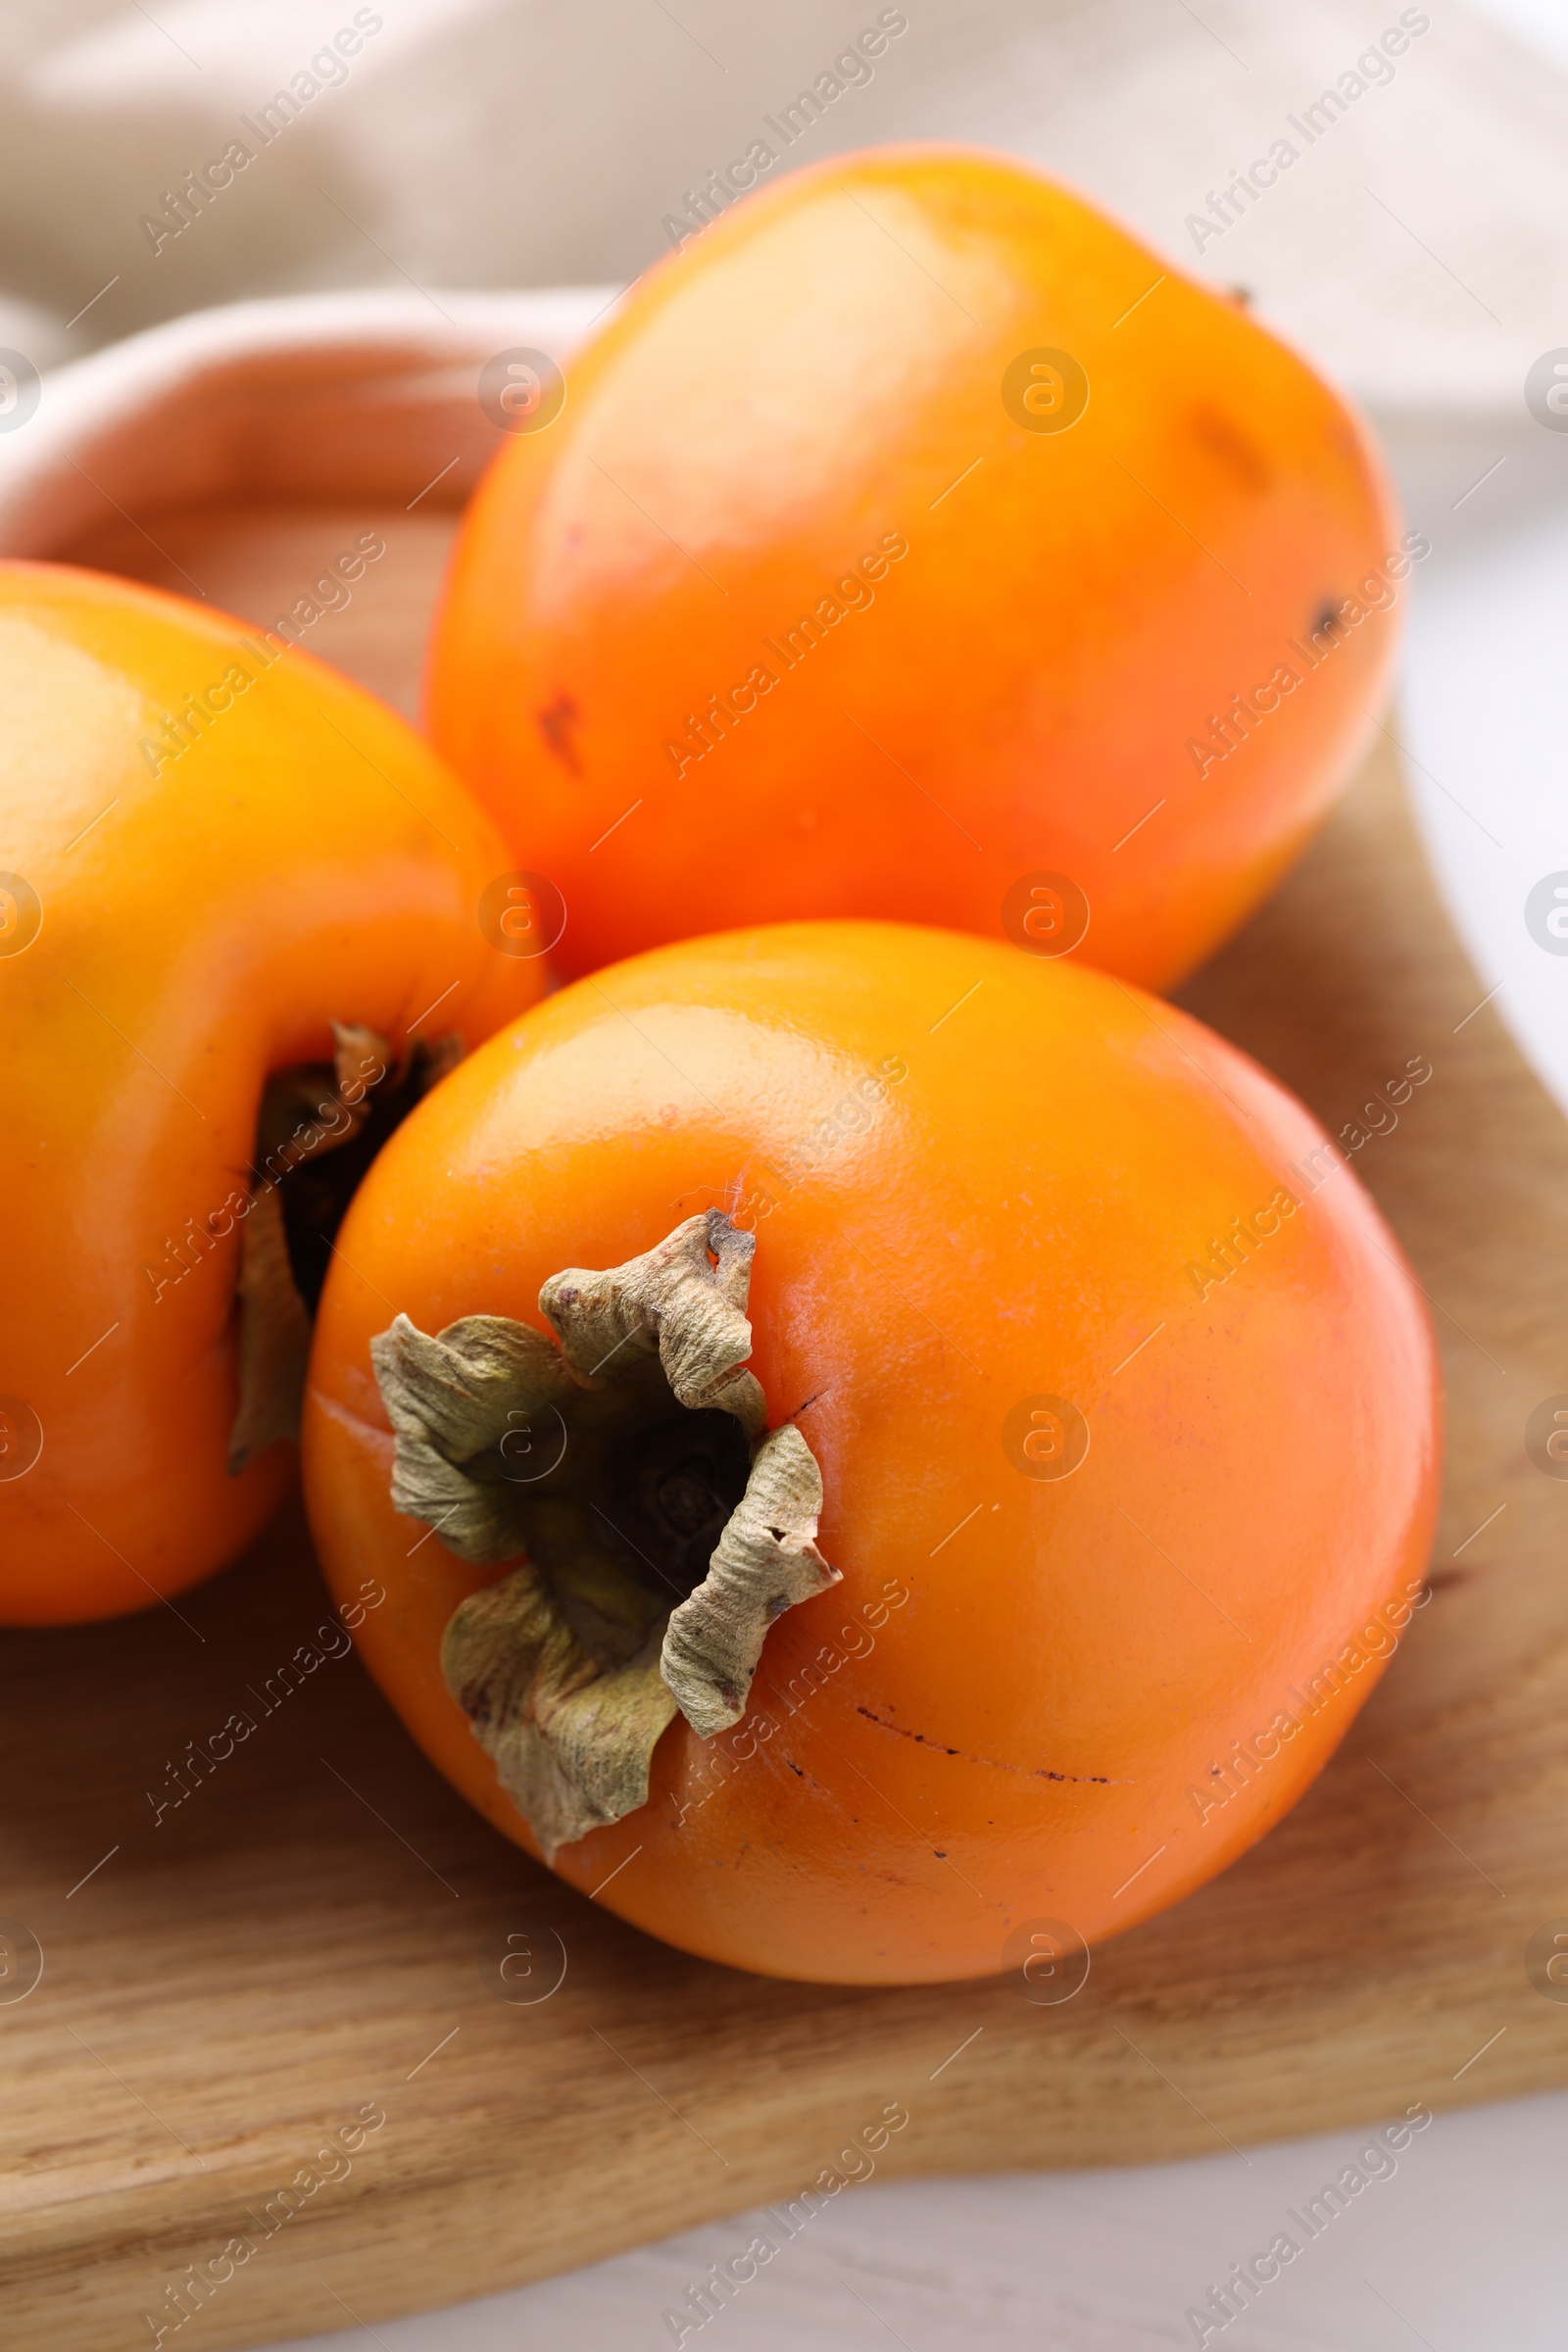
column 1101, row 1387
column 918, row 544
column 213, row 849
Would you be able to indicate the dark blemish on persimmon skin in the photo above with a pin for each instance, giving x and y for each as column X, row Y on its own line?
column 558, row 724
column 937, row 1744
column 1040, row 1772
column 1225, row 440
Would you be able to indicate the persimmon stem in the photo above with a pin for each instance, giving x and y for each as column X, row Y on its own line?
column 318, row 1127
column 664, row 1526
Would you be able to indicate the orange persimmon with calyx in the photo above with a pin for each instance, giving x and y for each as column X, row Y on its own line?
column 918, row 544
column 239, row 932
column 914, row 1448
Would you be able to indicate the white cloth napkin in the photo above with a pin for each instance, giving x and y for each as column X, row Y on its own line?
column 1414, row 243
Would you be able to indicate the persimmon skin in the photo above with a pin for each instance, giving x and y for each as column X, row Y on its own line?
column 1014, row 1215
column 816, row 381
column 306, row 859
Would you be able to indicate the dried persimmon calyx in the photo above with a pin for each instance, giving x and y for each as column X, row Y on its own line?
column 302, row 1181
column 661, row 1526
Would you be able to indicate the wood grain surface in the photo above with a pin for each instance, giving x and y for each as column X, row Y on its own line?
column 318, row 1930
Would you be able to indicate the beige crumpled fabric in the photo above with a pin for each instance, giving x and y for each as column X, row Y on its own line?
column 1413, row 242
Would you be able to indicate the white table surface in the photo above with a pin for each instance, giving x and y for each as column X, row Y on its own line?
column 1461, row 2249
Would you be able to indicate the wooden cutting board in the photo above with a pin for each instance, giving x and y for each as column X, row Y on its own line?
column 316, row 1936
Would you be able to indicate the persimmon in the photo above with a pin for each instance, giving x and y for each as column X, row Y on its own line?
column 915, row 1445
column 239, row 931
column 918, row 544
